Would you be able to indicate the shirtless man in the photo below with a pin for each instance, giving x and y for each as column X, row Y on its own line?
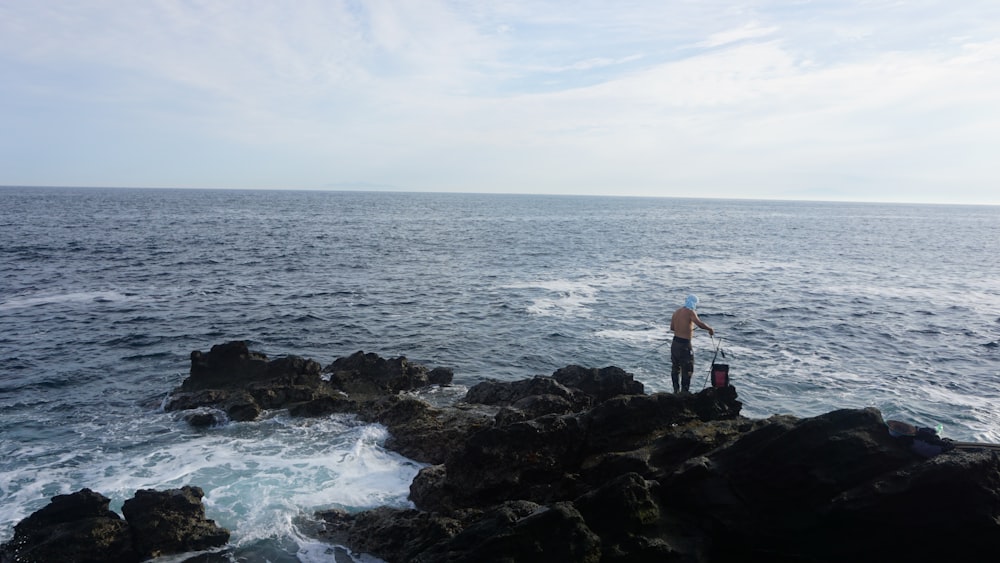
column 682, row 324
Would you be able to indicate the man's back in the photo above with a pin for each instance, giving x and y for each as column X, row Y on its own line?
column 682, row 322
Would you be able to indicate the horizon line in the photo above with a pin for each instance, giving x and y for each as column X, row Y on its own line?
column 397, row 190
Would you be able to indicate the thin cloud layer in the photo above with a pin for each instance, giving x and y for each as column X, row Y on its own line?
column 825, row 100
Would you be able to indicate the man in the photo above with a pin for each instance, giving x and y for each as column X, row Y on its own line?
column 682, row 324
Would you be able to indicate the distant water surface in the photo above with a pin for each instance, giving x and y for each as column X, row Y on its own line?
column 104, row 293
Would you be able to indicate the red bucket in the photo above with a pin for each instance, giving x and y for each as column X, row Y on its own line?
column 720, row 375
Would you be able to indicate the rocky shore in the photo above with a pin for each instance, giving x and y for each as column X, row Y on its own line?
column 79, row 527
column 582, row 465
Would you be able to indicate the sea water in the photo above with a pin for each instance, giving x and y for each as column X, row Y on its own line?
column 104, row 293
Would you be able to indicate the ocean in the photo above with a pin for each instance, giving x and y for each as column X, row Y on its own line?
column 104, row 294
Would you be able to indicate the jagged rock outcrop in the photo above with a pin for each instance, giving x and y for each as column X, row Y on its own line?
column 79, row 527
column 582, row 475
column 581, row 465
column 231, row 382
column 73, row 527
column 601, row 384
column 171, row 521
column 370, row 375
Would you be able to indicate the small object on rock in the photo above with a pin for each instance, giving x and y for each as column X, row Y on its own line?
column 204, row 418
column 899, row 428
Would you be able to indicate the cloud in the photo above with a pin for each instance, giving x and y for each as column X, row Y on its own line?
column 748, row 31
column 761, row 99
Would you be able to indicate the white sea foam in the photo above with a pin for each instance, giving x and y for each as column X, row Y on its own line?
column 569, row 298
column 312, row 551
column 636, row 333
column 564, row 298
column 257, row 477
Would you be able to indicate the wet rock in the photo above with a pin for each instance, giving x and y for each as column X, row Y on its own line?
column 76, row 527
column 430, row 490
column 233, row 365
column 624, row 507
column 242, row 383
column 440, row 376
column 602, row 384
column 794, row 488
column 395, row 534
column 570, row 389
column 557, row 457
column 682, row 478
column 323, row 406
column 944, row 508
column 188, row 400
column 79, row 527
column 205, row 417
column 422, row 432
column 172, row 521
column 584, row 466
column 371, row 375
column 515, row 531
column 550, row 533
column 533, row 460
column 509, row 393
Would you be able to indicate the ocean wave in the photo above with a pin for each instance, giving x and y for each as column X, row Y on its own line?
column 30, row 301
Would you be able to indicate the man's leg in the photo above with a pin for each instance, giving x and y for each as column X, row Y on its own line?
column 678, row 357
column 687, row 370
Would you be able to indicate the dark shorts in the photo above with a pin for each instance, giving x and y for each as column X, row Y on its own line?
column 682, row 355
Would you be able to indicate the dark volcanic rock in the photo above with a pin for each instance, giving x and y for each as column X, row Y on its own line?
column 232, row 379
column 602, row 384
column 517, row 531
column 627, row 421
column 171, row 521
column 79, row 527
column 324, row 405
column 76, row 527
column 233, row 365
column 584, row 466
column 507, row 393
column 824, row 488
column 242, row 383
column 205, row 417
column 948, row 507
column 557, row 457
column 422, row 432
column 588, row 475
column 532, row 460
column 368, row 374
column 391, row 533
column 622, row 508
column 679, row 478
column 570, row 389
column 550, row 533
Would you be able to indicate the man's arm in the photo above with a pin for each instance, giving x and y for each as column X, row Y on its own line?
column 697, row 321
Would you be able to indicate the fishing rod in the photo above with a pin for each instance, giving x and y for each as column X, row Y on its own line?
column 718, row 349
column 898, row 428
column 975, row 446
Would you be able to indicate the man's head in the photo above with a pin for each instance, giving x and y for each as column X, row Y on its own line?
column 691, row 302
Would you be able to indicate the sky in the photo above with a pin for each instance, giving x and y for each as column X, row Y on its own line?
column 856, row 100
